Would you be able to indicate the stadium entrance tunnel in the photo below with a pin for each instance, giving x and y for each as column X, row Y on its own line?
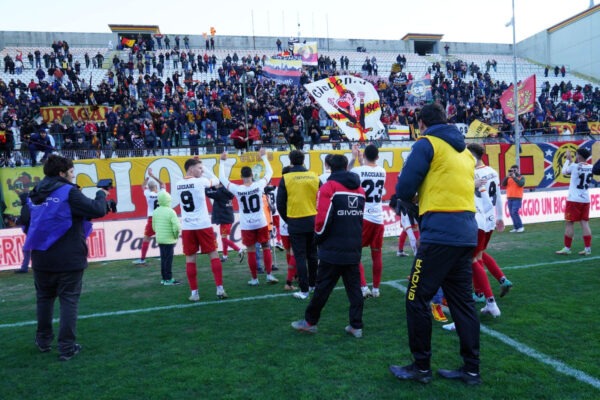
column 423, row 48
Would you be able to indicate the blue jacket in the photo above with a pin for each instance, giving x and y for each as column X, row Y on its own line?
column 457, row 228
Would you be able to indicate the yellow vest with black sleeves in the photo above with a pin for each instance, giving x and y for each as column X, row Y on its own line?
column 449, row 185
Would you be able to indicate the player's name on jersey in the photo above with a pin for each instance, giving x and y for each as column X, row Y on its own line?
column 368, row 174
column 241, row 191
column 185, row 186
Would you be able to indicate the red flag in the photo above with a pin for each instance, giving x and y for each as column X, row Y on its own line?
column 527, row 96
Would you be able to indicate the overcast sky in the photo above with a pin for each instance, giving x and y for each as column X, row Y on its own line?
column 457, row 20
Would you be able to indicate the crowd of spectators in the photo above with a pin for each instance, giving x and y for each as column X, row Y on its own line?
column 151, row 109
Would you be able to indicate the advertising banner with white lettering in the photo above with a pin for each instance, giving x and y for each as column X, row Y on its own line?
column 353, row 103
column 308, row 52
column 119, row 240
column 283, row 70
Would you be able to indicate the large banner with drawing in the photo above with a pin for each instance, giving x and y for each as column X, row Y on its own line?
column 353, row 103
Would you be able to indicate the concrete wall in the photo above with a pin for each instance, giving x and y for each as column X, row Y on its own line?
column 574, row 46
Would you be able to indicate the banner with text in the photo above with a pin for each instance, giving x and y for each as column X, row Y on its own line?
column 86, row 113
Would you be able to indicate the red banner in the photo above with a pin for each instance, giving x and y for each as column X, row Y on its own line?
column 526, row 93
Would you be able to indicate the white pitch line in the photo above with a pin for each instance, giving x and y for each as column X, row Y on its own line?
column 152, row 309
column 567, row 261
column 528, row 351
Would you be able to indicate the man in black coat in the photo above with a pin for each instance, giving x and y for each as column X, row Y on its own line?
column 58, row 227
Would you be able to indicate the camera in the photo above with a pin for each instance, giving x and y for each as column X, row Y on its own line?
column 107, row 184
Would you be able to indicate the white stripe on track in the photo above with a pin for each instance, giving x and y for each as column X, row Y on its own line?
column 528, row 351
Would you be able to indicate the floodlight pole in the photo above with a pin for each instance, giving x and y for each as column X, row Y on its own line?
column 515, row 91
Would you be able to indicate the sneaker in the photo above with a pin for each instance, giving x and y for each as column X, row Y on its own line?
column 411, row 373
column 289, row 287
column 223, row 258
column 311, row 289
column 241, row 255
column 274, row 268
column 470, row 378
column 171, row 282
column 449, row 327
column 521, row 229
column 304, row 326
column 71, row 354
column 139, row 261
column 279, row 246
column 438, row 313
column 512, row 230
column 375, row 292
column 194, row 297
column 564, row 251
column 505, row 287
column 478, row 298
column 260, row 270
column 366, row 292
column 491, row 308
column 301, row 295
column 584, row 252
column 401, row 253
column 43, row 348
column 222, row 294
column 162, row 281
column 271, row 279
column 357, row 333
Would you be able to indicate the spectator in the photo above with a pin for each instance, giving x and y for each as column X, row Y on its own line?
column 59, row 254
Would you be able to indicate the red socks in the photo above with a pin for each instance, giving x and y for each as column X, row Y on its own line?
column 217, row 270
column 377, row 267
column 268, row 259
column 190, row 270
column 252, row 264
column 228, row 243
column 492, row 266
column 587, row 241
column 145, row 246
column 569, row 241
column 402, row 240
column 361, row 270
column 480, row 280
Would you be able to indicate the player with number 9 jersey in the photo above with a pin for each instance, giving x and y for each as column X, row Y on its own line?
column 196, row 228
column 488, row 199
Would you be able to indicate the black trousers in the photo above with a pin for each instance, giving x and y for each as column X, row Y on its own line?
column 67, row 287
column 166, row 260
column 327, row 277
column 449, row 267
column 305, row 252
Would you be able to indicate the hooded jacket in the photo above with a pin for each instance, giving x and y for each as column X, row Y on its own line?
column 339, row 220
column 222, row 212
column 442, row 171
column 164, row 220
column 69, row 252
